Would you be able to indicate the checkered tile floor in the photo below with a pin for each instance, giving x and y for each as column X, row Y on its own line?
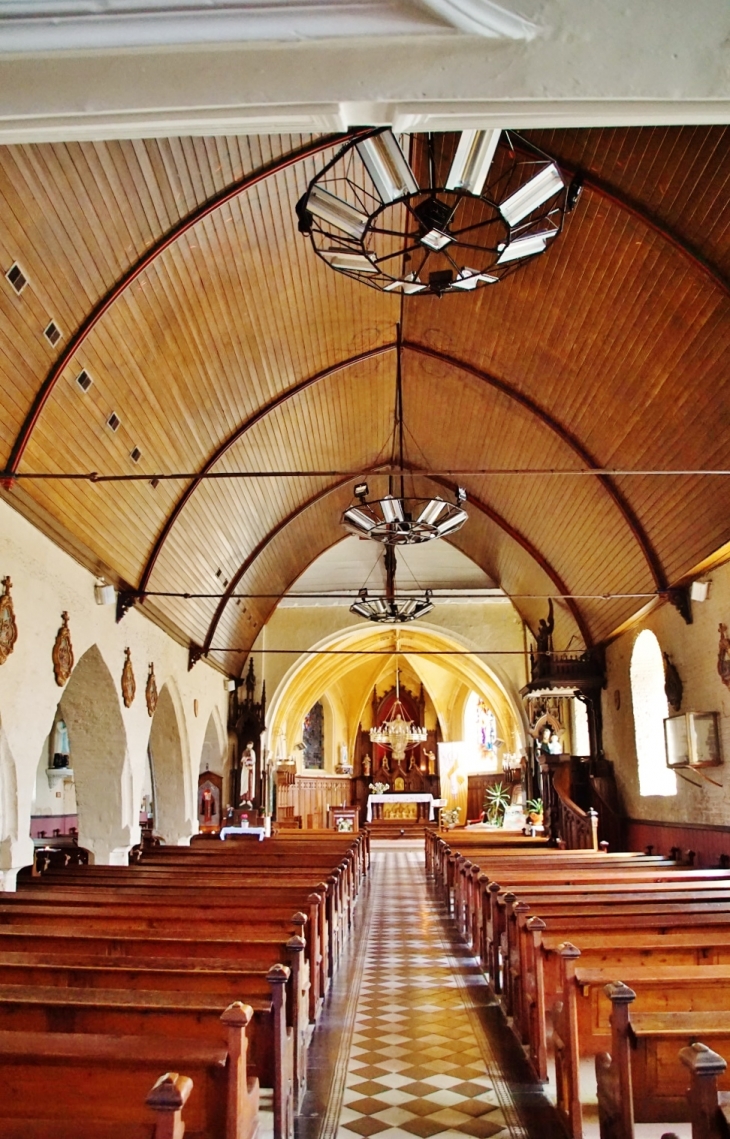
column 416, row 1065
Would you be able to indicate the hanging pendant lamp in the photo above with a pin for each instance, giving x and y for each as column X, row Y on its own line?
column 424, row 214
column 397, row 520
column 391, row 608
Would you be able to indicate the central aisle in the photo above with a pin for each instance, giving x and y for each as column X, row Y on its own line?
column 412, row 1045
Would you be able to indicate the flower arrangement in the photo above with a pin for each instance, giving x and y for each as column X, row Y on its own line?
column 450, row 818
column 379, row 788
column 496, row 802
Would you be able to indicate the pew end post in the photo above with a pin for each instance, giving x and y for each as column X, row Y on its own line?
column 613, row 1072
column 704, row 1066
column 300, row 1014
column 167, row 1098
column 242, row 1117
column 567, row 1050
column 277, row 976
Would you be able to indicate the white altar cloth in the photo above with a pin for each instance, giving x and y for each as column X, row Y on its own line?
column 400, row 797
column 260, row 832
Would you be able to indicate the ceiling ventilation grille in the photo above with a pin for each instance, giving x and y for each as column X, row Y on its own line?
column 135, row 455
column 17, row 277
column 84, row 380
column 52, row 333
column 113, row 421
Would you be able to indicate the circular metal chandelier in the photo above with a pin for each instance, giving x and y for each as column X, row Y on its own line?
column 435, row 213
column 398, row 521
column 391, row 610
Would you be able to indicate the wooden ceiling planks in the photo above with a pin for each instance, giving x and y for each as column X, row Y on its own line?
column 679, row 176
column 615, row 333
column 76, row 216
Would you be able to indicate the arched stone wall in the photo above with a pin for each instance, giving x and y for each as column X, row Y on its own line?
column 8, row 814
column 98, row 740
column 170, row 761
column 213, row 752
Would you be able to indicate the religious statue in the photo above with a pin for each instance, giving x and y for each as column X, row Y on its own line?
column 412, row 761
column 206, row 803
column 248, row 774
column 431, row 757
column 385, row 764
column 367, row 764
column 545, row 631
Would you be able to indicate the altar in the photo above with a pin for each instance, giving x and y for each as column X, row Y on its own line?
column 404, row 805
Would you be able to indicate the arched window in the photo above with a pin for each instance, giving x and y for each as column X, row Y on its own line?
column 650, row 710
column 313, row 737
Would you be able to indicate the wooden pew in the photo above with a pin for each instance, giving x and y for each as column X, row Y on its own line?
column 218, row 906
column 119, row 922
column 77, row 1086
column 640, row 1080
column 135, row 922
column 530, row 994
column 582, row 1024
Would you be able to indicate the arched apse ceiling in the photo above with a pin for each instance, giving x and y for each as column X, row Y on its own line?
column 227, row 346
column 419, row 646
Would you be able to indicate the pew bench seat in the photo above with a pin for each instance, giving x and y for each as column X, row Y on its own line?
column 94, row 1086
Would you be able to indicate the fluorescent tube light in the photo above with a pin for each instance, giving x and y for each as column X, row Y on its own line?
column 408, row 285
column 470, row 278
column 388, row 166
column 359, row 520
column 431, row 511
column 472, row 161
column 329, row 208
column 392, row 509
column 543, row 186
column 436, row 240
column 452, row 523
column 524, row 246
column 352, row 262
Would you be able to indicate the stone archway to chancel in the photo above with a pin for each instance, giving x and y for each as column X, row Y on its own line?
column 91, row 711
column 175, row 801
column 421, row 652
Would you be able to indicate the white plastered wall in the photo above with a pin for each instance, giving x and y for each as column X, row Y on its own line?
column 693, row 650
column 46, row 582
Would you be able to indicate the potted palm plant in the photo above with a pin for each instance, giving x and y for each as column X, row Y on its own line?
column 534, row 811
column 496, row 802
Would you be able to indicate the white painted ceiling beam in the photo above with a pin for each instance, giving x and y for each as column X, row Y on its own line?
column 589, row 64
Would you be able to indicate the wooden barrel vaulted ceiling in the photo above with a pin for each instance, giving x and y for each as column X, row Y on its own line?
column 175, row 273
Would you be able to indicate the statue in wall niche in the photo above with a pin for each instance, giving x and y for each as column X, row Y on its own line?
column 367, row 765
column 8, row 626
column 248, row 773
